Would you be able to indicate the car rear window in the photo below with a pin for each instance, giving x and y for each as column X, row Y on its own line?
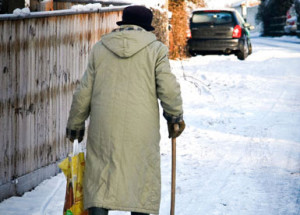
column 212, row 17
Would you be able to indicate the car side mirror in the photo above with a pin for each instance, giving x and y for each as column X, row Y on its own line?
column 249, row 26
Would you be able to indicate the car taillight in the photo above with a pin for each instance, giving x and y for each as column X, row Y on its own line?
column 188, row 34
column 237, row 32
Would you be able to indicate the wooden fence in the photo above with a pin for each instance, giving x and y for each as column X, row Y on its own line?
column 42, row 58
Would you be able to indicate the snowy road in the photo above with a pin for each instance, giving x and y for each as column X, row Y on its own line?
column 240, row 152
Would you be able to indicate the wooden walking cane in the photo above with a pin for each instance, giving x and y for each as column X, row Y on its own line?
column 173, row 185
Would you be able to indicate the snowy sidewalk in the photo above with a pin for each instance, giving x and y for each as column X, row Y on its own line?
column 240, row 152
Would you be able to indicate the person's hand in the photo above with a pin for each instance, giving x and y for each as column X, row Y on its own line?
column 175, row 133
column 75, row 134
column 73, row 138
column 79, row 139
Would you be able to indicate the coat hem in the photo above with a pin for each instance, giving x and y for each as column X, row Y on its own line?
column 120, row 208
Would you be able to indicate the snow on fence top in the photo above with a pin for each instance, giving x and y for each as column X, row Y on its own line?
column 148, row 3
column 90, row 7
column 106, row 2
column 77, row 9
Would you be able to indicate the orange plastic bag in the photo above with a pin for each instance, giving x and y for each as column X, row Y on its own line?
column 73, row 168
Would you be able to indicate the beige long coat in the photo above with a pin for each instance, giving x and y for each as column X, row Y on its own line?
column 127, row 72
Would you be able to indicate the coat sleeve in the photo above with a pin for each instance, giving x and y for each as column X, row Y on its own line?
column 167, row 88
column 80, row 108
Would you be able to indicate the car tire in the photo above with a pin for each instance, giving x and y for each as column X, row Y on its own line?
column 250, row 48
column 243, row 54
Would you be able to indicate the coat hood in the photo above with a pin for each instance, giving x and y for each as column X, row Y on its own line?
column 128, row 42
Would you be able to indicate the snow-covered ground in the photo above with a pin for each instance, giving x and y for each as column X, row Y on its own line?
column 240, row 152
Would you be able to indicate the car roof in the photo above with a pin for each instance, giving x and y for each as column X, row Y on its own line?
column 215, row 9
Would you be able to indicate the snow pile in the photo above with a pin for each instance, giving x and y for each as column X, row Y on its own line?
column 87, row 7
column 147, row 3
column 48, row 199
column 22, row 12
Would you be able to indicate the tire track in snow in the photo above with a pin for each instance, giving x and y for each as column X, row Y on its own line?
column 202, row 190
column 261, row 149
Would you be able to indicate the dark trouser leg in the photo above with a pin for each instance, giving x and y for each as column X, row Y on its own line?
column 136, row 213
column 98, row 211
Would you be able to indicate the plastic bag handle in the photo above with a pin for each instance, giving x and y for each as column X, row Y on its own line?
column 75, row 147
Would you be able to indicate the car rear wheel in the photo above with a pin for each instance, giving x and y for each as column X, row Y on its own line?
column 243, row 54
column 250, row 48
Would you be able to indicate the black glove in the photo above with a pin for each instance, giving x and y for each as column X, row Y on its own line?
column 72, row 139
column 73, row 135
column 171, row 128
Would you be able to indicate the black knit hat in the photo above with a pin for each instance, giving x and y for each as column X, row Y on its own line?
column 137, row 15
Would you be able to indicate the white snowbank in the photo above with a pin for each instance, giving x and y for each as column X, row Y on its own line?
column 147, row 3
column 87, row 7
column 21, row 12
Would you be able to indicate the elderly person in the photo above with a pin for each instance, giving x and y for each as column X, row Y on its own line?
column 127, row 72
